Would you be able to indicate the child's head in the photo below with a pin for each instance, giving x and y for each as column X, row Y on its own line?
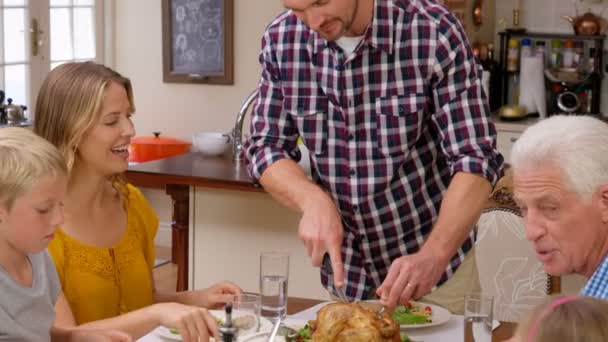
column 33, row 183
column 566, row 318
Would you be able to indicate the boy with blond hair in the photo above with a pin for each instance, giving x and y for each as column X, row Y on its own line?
column 33, row 183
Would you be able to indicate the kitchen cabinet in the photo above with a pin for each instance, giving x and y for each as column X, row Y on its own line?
column 222, row 221
column 508, row 132
column 505, row 141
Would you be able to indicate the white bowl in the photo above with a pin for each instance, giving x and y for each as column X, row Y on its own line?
column 211, row 143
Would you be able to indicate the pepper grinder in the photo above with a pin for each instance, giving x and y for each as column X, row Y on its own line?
column 228, row 330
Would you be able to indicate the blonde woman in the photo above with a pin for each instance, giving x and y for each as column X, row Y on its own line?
column 104, row 252
column 566, row 318
column 33, row 183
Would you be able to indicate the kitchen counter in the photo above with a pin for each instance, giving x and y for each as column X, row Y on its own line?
column 513, row 125
column 221, row 222
column 176, row 176
column 193, row 169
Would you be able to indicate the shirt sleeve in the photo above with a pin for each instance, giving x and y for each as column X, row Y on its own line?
column 147, row 222
column 272, row 132
column 462, row 114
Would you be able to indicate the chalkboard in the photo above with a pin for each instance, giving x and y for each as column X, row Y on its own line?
column 197, row 41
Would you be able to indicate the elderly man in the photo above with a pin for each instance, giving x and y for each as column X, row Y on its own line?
column 560, row 175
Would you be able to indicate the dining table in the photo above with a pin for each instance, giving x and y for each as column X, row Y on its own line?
column 299, row 309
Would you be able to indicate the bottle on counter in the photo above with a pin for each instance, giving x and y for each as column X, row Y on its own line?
column 483, row 58
column 568, row 54
column 526, row 48
column 540, row 50
column 579, row 54
column 591, row 65
column 495, row 77
column 513, row 72
column 556, row 54
column 513, row 56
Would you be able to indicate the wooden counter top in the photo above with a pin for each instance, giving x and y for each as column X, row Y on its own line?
column 193, row 169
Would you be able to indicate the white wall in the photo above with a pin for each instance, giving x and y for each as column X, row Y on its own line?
column 182, row 109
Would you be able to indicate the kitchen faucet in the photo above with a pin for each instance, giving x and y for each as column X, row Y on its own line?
column 237, row 131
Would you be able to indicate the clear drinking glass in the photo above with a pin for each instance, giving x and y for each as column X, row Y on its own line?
column 274, row 276
column 478, row 309
column 247, row 309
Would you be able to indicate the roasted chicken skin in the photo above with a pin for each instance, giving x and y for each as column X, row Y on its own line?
column 351, row 322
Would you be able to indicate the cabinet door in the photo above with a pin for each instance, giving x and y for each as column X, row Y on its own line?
column 505, row 141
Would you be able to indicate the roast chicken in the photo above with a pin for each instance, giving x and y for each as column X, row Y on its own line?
column 351, row 322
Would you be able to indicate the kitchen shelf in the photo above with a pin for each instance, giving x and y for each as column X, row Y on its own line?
column 597, row 42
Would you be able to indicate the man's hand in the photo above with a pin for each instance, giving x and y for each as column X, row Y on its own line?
column 321, row 231
column 411, row 277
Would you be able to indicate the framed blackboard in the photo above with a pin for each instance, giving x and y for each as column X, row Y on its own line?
column 198, row 41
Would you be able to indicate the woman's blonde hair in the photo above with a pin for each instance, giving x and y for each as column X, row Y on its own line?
column 69, row 104
column 567, row 318
column 25, row 159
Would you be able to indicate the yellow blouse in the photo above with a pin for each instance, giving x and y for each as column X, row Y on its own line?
column 106, row 282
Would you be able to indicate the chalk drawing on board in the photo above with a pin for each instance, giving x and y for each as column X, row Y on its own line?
column 197, row 37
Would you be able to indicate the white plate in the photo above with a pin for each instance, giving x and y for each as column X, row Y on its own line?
column 439, row 316
column 265, row 325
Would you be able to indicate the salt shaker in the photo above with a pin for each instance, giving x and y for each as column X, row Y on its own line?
column 228, row 330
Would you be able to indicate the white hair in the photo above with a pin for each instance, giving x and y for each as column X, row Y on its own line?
column 576, row 145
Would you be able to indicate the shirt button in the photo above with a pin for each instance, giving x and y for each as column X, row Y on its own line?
column 351, row 103
column 355, row 208
column 401, row 110
column 300, row 108
column 351, row 136
column 338, row 67
column 352, row 172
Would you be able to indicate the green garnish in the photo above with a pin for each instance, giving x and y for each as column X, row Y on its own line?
column 174, row 331
column 404, row 338
column 305, row 333
column 404, row 315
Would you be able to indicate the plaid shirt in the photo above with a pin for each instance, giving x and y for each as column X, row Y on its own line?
column 597, row 286
column 386, row 127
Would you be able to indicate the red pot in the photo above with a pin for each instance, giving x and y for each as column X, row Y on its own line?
column 146, row 148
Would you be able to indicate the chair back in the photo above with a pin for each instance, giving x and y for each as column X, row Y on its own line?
column 507, row 264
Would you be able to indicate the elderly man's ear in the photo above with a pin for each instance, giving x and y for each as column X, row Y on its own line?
column 603, row 192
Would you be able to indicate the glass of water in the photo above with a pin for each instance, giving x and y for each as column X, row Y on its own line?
column 478, row 309
column 246, row 314
column 274, row 275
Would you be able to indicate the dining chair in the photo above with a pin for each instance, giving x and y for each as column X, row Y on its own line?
column 506, row 260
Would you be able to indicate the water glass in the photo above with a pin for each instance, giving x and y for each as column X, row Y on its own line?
column 274, row 275
column 247, row 309
column 478, row 309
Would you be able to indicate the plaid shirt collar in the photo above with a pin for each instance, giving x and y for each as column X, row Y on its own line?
column 379, row 35
column 597, row 286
